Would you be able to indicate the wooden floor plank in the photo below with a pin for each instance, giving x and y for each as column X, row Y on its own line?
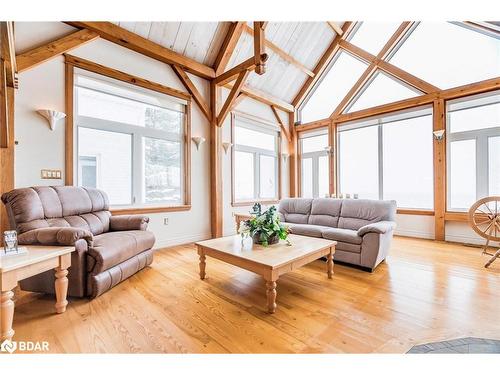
column 425, row 291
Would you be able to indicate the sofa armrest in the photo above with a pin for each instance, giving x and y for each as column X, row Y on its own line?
column 128, row 222
column 65, row 236
column 379, row 227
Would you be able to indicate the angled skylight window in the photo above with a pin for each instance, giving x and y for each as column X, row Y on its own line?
column 372, row 36
column 325, row 97
column 448, row 55
column 382, row 89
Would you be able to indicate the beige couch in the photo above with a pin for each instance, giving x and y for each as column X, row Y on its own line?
column 109, row 249
column 363, row 228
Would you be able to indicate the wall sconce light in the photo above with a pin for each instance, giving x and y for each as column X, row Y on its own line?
column 285, row 157
column 198, row 141
column 438, row 134
column 226, row 146
column 51, row 116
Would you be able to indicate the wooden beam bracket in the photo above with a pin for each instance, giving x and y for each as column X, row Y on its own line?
column 233, row 95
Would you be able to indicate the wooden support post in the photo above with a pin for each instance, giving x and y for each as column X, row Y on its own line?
column 216, row 206
column 332, row 158
column 68, row 149
column 4, row 111
column 8, row 53
column 293, row 158
column 259, row 47
column 439, row 123
column 7, row 160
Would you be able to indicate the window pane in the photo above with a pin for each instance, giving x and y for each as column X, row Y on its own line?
column 408, row 162
column 381, row 90
column 344, row 73
column 163, row 119
column 252, row 138
column 449, row 55
column 162, row 171
column 494, row 165
column 323, row 177
column 307, row 178
column 244, row 175
column 475, row 118
column 359, row 162
column 372, row 36
column 313, row 144
column 112, row 153
column 462, row 174
column 267, row 169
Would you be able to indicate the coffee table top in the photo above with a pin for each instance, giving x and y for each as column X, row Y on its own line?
column 36, row 254
column 273, row 255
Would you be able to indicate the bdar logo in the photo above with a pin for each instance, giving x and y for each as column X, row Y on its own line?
column 8, row 346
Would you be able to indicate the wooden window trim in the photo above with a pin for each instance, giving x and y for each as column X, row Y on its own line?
column 70, row 63
column 251, row 202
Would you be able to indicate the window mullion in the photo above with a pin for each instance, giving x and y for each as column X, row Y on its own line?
column 138, row 168
column 481, row 167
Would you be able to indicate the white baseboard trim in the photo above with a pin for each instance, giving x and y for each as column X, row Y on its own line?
column 413, row 233
column 181, row 240
column 468, row 240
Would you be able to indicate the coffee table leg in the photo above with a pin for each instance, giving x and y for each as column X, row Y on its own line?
column 271, row 296
column 329, row 263
column 61, row 287
column 7, row 315
column 203, row 264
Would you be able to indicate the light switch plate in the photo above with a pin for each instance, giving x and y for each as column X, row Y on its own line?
column 51, row 174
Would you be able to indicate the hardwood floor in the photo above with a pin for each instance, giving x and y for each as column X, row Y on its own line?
column 425, row 291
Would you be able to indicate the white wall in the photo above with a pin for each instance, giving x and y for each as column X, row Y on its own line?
column 39, row 148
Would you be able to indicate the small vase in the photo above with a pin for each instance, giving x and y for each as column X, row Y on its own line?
column 274, row 239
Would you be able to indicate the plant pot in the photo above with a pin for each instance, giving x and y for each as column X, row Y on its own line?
column 274, row 239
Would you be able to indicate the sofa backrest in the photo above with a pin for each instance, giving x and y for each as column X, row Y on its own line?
column 356, row 213
column 58, row 206
column 341, row 213
column 325, row 211
column 295, row 210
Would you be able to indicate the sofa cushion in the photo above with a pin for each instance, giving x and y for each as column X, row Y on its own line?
column 295, row 210
column 325, row 211
column 356, row 213
column 342, row 235
column 112, row 248
column 348, row 247
column 306, row 229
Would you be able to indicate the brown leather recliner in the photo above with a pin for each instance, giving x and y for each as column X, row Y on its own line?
column 109, row 249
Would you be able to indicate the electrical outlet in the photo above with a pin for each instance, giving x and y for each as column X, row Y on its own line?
column 165, row 221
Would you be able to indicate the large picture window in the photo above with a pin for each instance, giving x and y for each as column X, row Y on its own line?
column 130, row 141
column 255, row 161
column 314, row 164
column 473, row 156
column 388, row 158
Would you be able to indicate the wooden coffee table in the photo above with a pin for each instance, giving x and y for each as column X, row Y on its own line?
column 270, row 262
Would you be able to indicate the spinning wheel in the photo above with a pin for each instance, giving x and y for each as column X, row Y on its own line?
column 484, row 217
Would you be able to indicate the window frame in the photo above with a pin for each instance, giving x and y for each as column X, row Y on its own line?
column 261, row 125
column 71, row 134
column 481, row 138
column 314, row 155
column 379, row 122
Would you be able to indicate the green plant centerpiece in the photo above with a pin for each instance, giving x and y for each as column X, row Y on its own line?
column 265, row 228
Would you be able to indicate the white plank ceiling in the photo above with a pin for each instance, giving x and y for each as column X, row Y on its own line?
column 304, row 41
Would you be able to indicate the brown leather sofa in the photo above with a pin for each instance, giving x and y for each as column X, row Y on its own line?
column 109, row 249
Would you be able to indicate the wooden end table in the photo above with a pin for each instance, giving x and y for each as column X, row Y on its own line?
column 270, row 262
column 19, row 267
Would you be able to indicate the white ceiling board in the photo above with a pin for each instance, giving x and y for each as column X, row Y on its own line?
column 29, row 35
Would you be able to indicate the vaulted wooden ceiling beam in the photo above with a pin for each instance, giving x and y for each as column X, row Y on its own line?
column 233, row 95
column 8, row 52
column 264, row 97
column 39, row 55
column 404, row 76
column 338, row 30
column 232, row 73
column 285, row 56
column 125, row 38
column 322, row 64
column 228, row 46
column 189, row 85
